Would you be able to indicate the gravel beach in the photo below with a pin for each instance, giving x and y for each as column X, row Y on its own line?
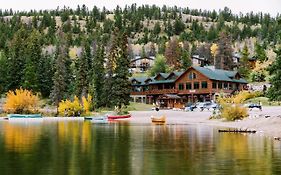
column 266, row 122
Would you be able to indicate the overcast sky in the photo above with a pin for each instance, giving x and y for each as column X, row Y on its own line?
column 267, row 6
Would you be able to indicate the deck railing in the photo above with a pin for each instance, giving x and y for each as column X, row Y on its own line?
column 156, row 91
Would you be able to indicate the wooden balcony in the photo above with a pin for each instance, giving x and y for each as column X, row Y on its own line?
column 163, row 91
column 156, row 92
column 139, row 93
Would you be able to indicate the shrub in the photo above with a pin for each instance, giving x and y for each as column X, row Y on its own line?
column 21, row 101
column 232, row 108
column 239, row 98
column 87, row 103
column 233, row 112
column 75, row 108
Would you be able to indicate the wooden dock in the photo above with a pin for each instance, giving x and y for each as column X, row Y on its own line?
column 237, row 130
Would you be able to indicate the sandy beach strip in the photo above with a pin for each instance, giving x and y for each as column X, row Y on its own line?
column 266, row 122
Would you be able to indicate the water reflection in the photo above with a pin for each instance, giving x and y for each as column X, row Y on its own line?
column 73, row 147
column 20, row 137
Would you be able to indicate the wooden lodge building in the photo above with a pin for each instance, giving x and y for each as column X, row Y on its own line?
column 173, row 90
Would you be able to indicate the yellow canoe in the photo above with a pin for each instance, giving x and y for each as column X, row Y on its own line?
column 161, row 119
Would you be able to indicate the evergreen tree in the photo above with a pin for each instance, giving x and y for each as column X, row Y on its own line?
column 122, row 86
column 15, row 66
column 260, row 53
column 157, row 28
column 83, row 76
column 99, row 77
column 185, row 58
column 274, row 92
column 45, row 74
column 3, row 72
column 178, row 26
column 223, row 58
column 244, row 66
column 61, row 77
column 33, row 55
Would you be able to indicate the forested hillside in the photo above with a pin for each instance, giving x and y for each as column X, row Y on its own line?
column 62, row 52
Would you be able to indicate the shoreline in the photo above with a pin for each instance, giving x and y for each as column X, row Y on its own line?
column 266, row 122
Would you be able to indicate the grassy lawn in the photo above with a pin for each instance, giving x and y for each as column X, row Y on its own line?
column 264, row 101
column 139, row 107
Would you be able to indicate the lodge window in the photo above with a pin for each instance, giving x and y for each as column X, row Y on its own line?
column 225, row 85
column 196, row 85
column 235, row 86
column 192, row 76
column 214, row 85
column 230, row 86
column 204, row 84
column 188, row 86
column 181, row 86
column 220, row 85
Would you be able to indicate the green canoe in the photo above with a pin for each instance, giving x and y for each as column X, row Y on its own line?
column 24, row 116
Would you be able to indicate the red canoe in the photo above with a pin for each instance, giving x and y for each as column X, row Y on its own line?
column 110, row 117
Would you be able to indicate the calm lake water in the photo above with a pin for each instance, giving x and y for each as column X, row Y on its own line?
column 82, row 148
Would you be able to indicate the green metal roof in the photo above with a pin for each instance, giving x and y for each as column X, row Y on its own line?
column 141, row 80
column 213, row 74
column 219, row 74
column 162, row 81
column 164, row 75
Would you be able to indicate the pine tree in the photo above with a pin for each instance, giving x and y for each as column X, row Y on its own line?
column 260, row 53
column 15, row 53
column 45, row 74
column 157, row 28
column 274, row 92
column 83, row 75
column 3, row 72
column 185, row 59
column 33, row 55
column 223, row 59
column 121, row 87
column 61, row 77
column 178, row 26
column 99, row 77
column 244, row 66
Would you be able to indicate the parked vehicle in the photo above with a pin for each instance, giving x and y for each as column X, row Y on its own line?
column 190, row 107
column 202, row 105
column 253, row 105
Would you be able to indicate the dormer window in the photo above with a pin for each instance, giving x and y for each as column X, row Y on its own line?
column 148, row 81
column 192, row 76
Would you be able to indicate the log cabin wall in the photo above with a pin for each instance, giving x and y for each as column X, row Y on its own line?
column 195, row 78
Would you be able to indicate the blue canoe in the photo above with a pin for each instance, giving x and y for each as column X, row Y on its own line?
column 24, row 116
column 100, row 119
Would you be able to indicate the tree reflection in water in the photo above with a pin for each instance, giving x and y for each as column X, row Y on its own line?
column 73, row 147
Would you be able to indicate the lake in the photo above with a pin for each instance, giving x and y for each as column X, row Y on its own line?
column 83, row 148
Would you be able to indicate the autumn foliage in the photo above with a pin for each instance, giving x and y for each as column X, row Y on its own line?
column 75, row 107
column 21, row 101
column 232, row 107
